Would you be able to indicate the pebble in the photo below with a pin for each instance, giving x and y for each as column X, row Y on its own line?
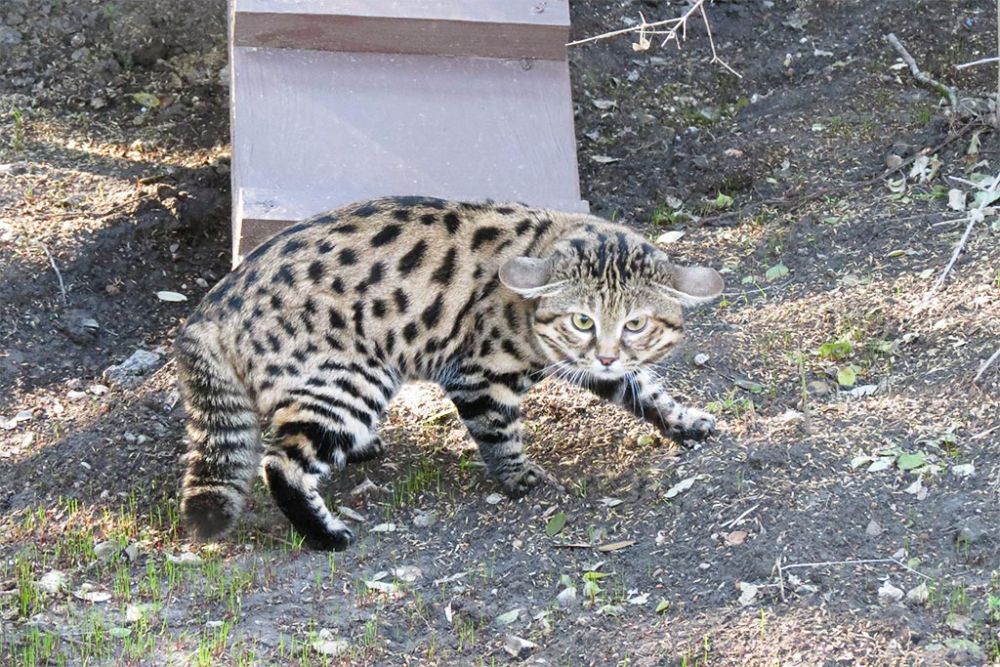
column 422, row 519
column 106, row 550
column 130, row 372
column 10, row 35
column 13, row 168
column 567, row 597
column 518, row 647
column 888, row 593
column 873, row 529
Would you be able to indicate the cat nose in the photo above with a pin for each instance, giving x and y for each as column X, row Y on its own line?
column 607, row 361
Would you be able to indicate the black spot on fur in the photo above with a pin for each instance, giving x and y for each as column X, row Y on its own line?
column 338, row 286
column 366, row 211
column 428, row 219
column 378, row 308
column 413, row 258
column 401, row 214
column 292, row 245
column 432, row 313
column 273, row 341
column 523, row 226
column 276, row 302
column 345, row 229
column 359, row 317
column 386, row 235
column 316, row 271
column 443, row 273
column 235, row 302
column 324, row 247
column 337, row 320
column 284, row 275
column 348, row 257
column 410, row 332
column 484, row 235
column 452, row 222
column 402, row 301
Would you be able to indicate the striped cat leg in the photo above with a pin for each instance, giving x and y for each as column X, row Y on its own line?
column 293, row 469
column 323, row 424
column 224, row 437
column 489, row 405
column 647, row 399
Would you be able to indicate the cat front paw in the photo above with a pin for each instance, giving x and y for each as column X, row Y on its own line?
column 694, row 426
column 519, row 483
column 331, row 540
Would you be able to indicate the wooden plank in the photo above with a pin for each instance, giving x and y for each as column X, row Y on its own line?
column 478, row 28
column 263, row 212
column 363, row 125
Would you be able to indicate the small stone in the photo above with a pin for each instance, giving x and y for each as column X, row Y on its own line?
column 366, row 488
column 106, row 550
column 13, row 168
column 184, row 558
column 887, row 593
column 958, row 622
column 494, row 498
column 973, row 531
column 918, row 594
column 818, row 388
column 701, row 359
column 75, row 395
column 98, row 389
column 518, row 647
column 422, row 519
column 130, row 372
column 407, row 573
column 53, row 581
column 98, row 102
column 567, row 597
column 132, row 552
column 873, row 529
column 9, row 35
column 326, row 644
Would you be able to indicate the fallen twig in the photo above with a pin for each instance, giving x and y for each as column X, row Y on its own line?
column 975, row 215
column 860, row 561
column 986, row 364
column 675, row 30
column 981, row 61
column 920, row 75
column 983, row 434
column 52, row 262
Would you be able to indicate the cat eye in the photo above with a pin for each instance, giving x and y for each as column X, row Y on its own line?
column 636, row 325
column 582, row 322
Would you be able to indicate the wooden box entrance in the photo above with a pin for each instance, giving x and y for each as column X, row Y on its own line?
column 335, row 101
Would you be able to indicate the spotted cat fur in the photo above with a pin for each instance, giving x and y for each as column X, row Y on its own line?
column 312, row 335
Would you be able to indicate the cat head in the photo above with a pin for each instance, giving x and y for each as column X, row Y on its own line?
column 608, row 302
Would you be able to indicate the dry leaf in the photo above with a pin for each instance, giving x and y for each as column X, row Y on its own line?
column 616, row 546
column 736, row 538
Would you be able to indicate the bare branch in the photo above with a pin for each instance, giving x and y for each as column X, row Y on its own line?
column 986, row 364
column 981, row 61
column 52, row 263
column 672, row 30
column 920, row 75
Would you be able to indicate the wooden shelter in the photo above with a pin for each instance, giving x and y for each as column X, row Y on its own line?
column 335, row 101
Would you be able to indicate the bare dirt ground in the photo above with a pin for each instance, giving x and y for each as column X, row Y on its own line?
column 821, row 526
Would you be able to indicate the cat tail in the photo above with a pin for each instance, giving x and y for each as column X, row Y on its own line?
column 224, row 442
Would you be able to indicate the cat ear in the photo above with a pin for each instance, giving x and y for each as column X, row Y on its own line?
column 693, row 285
column 529, row 277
